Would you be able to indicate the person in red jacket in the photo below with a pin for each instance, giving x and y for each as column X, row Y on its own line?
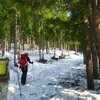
column 24, row 66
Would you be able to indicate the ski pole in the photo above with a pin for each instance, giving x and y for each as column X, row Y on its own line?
column 0, row 94
column 33, row 72
column 19, row 83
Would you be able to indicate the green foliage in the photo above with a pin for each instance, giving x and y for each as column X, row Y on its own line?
column 4, row 24
column 49, row 17
column 4, row 29
column 2, row 12
column 62, row 15
column 46, row 13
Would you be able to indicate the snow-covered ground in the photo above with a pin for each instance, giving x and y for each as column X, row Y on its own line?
column 62, row 79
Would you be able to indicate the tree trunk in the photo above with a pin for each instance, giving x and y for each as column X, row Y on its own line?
column 54, row 50
column 16, row 40
column 39, row 44
column 93, row 49
column 32, row 43
column 96, row 23
column 3, row 47
column 23, row 39
column 75, row 47
column 42, row 43
column 47, row 47
column 68, row 48
column 9, row 43
column 61, row 42
column 89, row 67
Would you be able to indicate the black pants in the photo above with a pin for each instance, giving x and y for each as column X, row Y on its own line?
column 24, row 74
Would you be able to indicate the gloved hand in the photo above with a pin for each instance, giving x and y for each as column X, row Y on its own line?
column 16, row 65
column 32, row 62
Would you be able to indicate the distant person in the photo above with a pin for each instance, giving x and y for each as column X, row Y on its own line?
column 23, row 65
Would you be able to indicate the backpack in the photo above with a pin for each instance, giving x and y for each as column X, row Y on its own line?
column 23, row 60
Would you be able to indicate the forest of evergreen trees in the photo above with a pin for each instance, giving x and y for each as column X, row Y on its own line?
column 63, row 24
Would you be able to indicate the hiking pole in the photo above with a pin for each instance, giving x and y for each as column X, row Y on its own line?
column 33, row 72
column 0, row 94
column 19, row 84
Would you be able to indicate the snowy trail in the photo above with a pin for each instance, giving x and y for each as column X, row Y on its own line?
column 43, row 82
